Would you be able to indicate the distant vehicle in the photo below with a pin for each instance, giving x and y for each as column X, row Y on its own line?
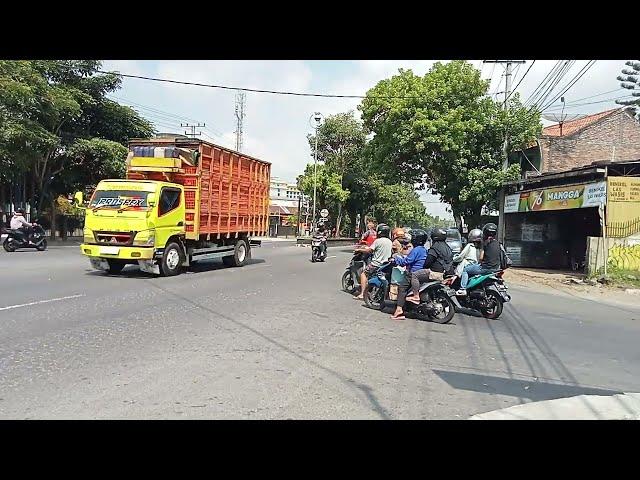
column 454, row 240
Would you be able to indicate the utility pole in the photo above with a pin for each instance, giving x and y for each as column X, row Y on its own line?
column 505, row 161
column 317, row 117
column 193, row 129
column 240, row 114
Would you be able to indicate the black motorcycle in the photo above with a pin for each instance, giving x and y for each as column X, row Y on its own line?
column 318, row 248
column 18, row 239
column 435, row 302
column 351, row 276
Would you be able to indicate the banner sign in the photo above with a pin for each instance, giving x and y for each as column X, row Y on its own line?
column 557, row 198
column 624, row 189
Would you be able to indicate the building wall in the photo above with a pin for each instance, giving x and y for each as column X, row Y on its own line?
column 620, row 253
column 592, row 144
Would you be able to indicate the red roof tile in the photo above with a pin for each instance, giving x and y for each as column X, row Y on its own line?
column 574, row 126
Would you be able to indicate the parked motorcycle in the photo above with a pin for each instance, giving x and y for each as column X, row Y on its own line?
column 17, row 239
column 435, row 302
column 486, row 294
column 351, row 276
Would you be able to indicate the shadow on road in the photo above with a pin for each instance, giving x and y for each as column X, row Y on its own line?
column 132, row 271
column 511, row 387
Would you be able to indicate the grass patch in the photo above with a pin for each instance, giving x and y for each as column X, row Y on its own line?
column 621, row 278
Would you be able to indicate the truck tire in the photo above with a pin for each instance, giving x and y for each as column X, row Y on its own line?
column 241, row 253
column 115, row 266
column 172, row 260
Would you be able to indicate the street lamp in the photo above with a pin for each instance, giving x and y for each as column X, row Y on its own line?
column 317, row 118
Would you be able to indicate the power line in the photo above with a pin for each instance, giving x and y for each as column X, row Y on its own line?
column 542, row 83
column 521, row 79
column 625, row 97
column 572, row 82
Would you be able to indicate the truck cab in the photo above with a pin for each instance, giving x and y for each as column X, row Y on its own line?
column 129, row 222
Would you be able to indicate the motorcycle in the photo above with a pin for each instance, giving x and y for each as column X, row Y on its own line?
column 351, row 276
column 435, row 302
column 17, row 239
column 318, row 248
column 486, row 294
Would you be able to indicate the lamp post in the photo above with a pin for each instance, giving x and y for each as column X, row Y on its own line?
column 317, row 118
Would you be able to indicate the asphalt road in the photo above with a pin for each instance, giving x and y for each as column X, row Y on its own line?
column 277, row 339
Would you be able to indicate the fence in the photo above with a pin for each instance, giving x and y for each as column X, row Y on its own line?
column 623, row 229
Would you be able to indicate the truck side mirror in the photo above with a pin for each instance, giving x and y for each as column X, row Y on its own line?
column 78, row 199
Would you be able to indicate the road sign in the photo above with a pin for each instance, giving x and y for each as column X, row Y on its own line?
column 324, row 213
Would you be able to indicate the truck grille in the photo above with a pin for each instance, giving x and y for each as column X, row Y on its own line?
column 114, row 238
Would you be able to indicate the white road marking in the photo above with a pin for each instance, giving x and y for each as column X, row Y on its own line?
column 332, row 256
column 41, row 301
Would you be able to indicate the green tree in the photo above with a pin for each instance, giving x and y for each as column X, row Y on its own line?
column 329, row 191
column 341, row 140
column 630, row 79
column 442, row 130
column 58, row 126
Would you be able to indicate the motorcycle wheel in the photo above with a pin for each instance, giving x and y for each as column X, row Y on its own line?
column 43, row 246
column 447, row 308
column 494, row 306
column 9, row 246
column 374, row 298
column 348, row 285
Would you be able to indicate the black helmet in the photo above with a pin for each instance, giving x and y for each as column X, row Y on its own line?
column 20, row 210
column 418, row 237
column 475, row 235
column 383, row 230
column 490, row 230
column 438, row 234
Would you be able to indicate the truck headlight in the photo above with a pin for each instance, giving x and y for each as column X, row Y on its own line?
column 145, row 238
column 87, row 236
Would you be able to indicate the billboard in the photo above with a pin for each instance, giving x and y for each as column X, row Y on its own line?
column 557, row 198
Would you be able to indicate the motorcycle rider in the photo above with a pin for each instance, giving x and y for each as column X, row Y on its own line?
column 414, row 262
column 321, row 233
column 470, row 254
column 20, row 225
column 489, row 258
column 439, row 261
column 381, row 251
column 370, row 235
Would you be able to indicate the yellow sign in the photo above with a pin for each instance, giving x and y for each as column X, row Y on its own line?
column 624, row 189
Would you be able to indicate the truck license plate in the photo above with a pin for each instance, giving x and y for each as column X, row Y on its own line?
column 109, row 250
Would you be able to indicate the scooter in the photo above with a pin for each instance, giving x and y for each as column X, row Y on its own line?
column 486, row 294
column 318, row 248
column 351, row 277
column 17, row 239
column 435, row 302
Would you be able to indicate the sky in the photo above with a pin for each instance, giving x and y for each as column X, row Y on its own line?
column 276, row 126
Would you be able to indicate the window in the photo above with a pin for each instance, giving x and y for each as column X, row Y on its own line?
column 169, row 200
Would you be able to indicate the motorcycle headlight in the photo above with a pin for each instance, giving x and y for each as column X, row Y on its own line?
column 145, row 238
column 87, row 236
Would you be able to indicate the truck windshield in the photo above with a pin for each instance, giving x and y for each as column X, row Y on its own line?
column 118, row 199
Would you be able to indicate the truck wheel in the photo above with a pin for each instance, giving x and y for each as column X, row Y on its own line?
column 172, row 260
column 115, row 266
column 241, row 253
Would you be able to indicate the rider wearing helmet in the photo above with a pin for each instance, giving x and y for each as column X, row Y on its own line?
column 381, row 251
column 439, row 261
column 489, row 258
column 399, row 240
column 470, row 254
column 414, row 261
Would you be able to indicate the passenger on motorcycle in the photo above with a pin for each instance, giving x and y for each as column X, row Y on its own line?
column 489, row 258
column 19, row 224
column 414, row 261
column 399, row 240
column 470, row 254
column 381, row 251
column 370, row 235
column 321, row 233
column 439, row 261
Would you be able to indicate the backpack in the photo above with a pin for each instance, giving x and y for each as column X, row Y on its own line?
column 505, row 261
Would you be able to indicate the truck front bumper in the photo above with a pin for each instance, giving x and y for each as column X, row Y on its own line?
column 131, row 254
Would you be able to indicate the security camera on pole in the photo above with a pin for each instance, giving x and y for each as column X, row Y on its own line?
column 315, row 121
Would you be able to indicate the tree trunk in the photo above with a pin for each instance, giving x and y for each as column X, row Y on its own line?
column 53, row 219
column 338, row 220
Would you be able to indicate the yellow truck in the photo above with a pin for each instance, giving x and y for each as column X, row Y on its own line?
column 183, row 200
